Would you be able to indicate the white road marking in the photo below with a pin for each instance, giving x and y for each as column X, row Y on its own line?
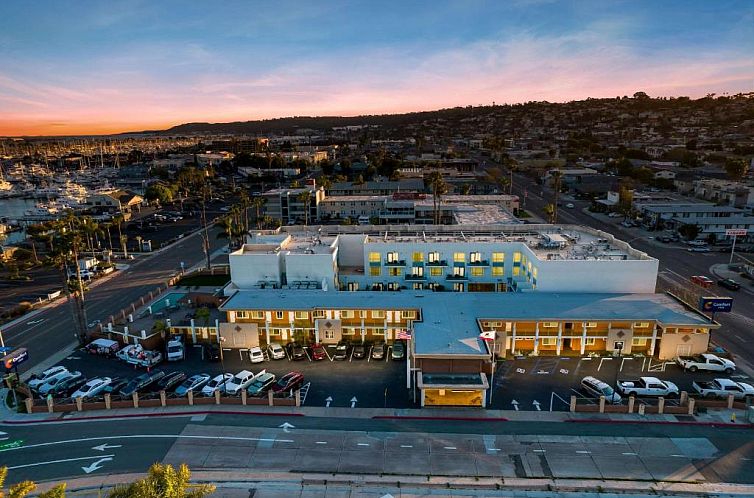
column 406, row 446
column 321, row 442
column 50, row 462
column 628, row 453
column 538, row 451
column 362, row 444
column 583, row 452
column 740, row 338
column 96, row 465
column 146, row 436
column 106, row 446
column 679, row 456
column 449, row 447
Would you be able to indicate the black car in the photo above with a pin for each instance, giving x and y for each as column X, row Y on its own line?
column 359, row 351
column 115, row 385
column 212, row 352
column 729, row 283
column 341, row 352
column 170, row 381
column 297, row 351
column 378, row 351
column 68, row 388
column 141, row 382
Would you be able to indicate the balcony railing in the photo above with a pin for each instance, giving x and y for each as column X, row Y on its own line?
column 397, row 262
column 483, row 262
column 457, row 277
column 415, row 278
column 437, row 263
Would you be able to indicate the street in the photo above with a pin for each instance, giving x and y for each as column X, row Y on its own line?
column 52, row 330
column 289, row 443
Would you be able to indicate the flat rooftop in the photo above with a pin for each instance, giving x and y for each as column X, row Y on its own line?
column 449, row 319
column 304, row 243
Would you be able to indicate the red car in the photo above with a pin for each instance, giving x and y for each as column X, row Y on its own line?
column 318, row 352
column 288, row 382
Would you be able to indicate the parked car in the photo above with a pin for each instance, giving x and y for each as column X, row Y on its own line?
column 297, row 351
column 318, row 352
column 193, row 383
column 49, row 386
column 696, row 243
column 239, row 382
column 92, row 388
column 37, row 380
column 103, row 347
column 261, row 384
column 256, row 355
column 597, row 388
column 398, row 351
column 706, row 361
column 170, row 381
column 276, row 351
column 176, row 349
column 211, row 352
column 135, row 354
column 216, row 384
column 615, row 215
column 141, row 382
column 647, row 386
column 664, row 238
column 115, row 385
column 378, row 351
column 341, row 352
column 570, row 205
column 359, row 351
column 729, row 283
column 68, row 386
column 288, row 382
column 722, row 388
column 699, row 249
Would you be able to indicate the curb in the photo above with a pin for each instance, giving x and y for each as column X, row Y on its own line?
column 148, row 415
column 420, row 417
column 728, row 425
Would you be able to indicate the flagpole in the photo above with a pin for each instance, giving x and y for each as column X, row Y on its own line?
column 492, row 377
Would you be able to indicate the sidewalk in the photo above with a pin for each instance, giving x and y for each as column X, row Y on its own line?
column 721, row 417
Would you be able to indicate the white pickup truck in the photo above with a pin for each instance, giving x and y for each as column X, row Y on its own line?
column 721, row 388
column 706, row 361
column 137, row 355
column 647, row 386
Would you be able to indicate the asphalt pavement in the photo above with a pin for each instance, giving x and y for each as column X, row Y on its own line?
column 52, row 331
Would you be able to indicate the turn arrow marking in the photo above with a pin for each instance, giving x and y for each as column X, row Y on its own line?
column 515, row 404
column 106, row 446
column 353, row 402
column 96, row 465
column 286, row 426
column 328, row 400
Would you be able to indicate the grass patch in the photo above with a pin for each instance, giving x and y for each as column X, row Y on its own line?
column 205, row 280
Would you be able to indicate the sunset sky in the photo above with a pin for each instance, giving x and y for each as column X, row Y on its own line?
column 80, row 67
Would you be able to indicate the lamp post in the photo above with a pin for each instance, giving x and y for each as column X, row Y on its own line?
column 617, row 347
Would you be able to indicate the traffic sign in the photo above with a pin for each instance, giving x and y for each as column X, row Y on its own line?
column 736, row 232
column 17, row 443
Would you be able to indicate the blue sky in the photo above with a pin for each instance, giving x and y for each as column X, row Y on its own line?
column 76, row 66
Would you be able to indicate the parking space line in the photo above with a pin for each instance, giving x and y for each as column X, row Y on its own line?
column 306, row 352
column 449, row 447
column 583, row 452
column 363, row 444
column 350, row 358
column 629, row 453
column 407, row 446
column 328, row 354
column 601, row 360
column 320, row 442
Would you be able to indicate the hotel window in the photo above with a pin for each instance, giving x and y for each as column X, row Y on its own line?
column 408, row 314
column 516, row 271
column 498, row 257
column 590, row 325
column 417, row 271
column 329, row 334
column 242, row 314
column 348, row 331
column 457, row 287
column 276, row 331
column 417, row 257
column 279, row 315
column 318, row 313
column 302, row 315
column 641, row 325
column 435, row 272
column 498, row 271
column 257, row 314
column 362, row 314
column 375, row 271
column 459, row 257
column 516, row 257
column 548, row 341
column 459, row 271
column 353, row 286
column 346, row 313
column 477, row 272
column 394, row 272
column 589, row 341
column 392, row 257
column 374, row 257
column 378, row 314
column 375, row 331
column 638, row 341
column 393, row 286
column 433, row 257
column 549, row 324
column 475, row 257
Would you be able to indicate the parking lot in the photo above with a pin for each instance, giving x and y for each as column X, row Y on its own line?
column 546, row 383
column 372, row 383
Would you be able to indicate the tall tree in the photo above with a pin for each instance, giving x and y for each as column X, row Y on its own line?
column 305, row 198
column 439, row 189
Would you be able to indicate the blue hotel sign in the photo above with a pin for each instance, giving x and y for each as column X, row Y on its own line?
column 715, row 304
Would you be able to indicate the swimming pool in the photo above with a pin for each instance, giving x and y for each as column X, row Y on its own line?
column 171, row 297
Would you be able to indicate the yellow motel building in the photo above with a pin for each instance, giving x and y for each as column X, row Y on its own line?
column 449, row 363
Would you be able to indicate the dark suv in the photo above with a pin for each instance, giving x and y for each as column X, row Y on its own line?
column 141, row 382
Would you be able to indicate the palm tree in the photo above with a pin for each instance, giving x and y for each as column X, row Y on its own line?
column 258, row 202
column 305, row 198
column 549, row 210
column 245, row 202
column 118, row 220
column 106, row 226
column 557, row 174
column 228, row 231
column 439, row 188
